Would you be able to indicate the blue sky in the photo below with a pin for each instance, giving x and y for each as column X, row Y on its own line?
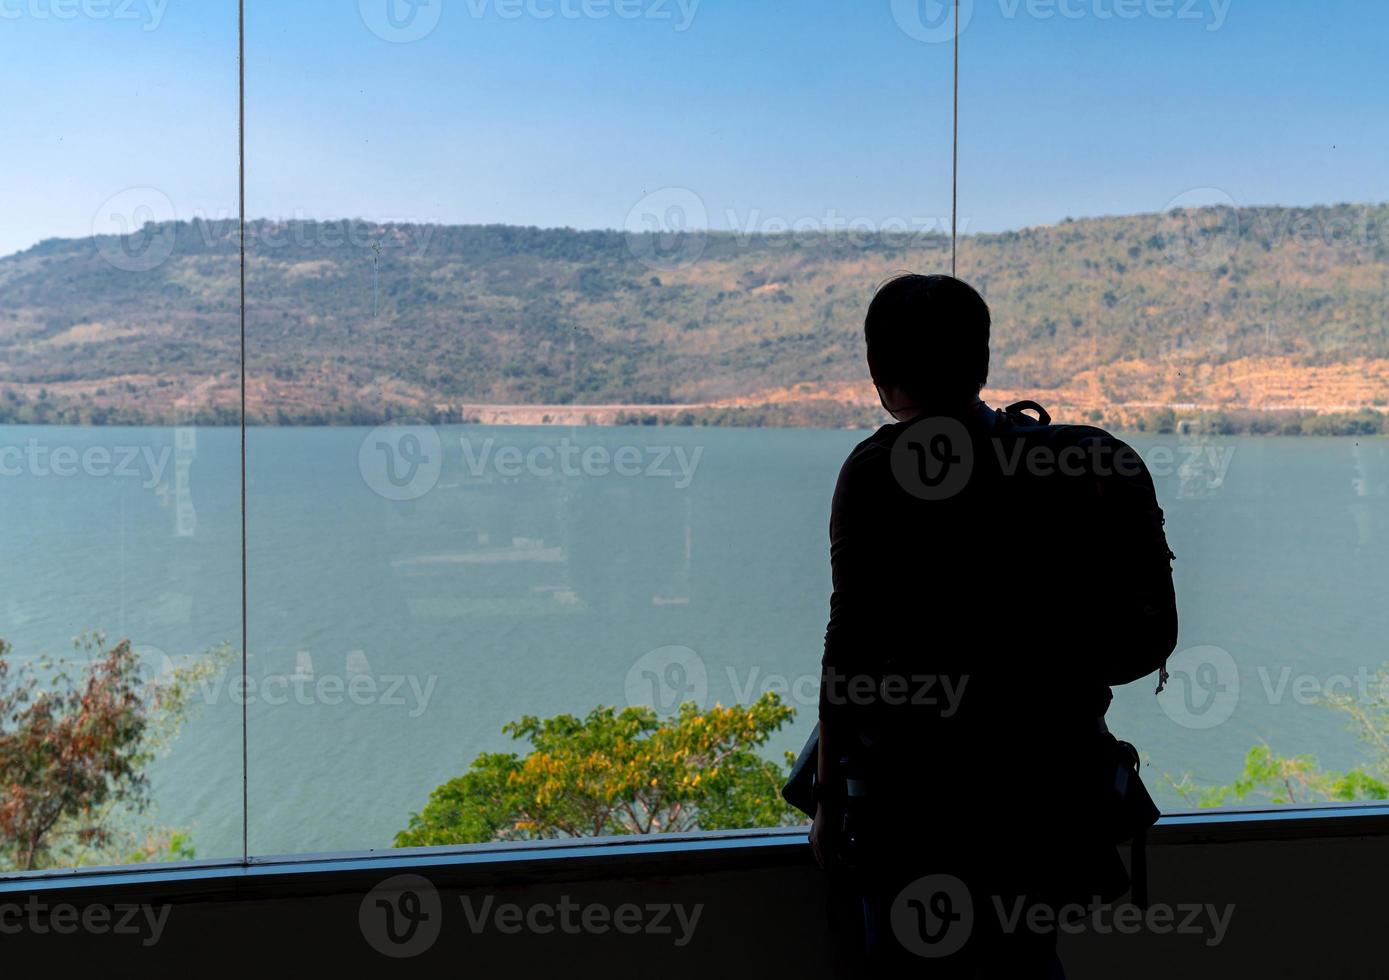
column 768, row 112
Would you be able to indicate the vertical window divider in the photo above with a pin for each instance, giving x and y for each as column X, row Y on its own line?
column 955, row 157
column 241, row 252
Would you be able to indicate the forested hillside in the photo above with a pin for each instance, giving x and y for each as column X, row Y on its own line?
column 1247, row 310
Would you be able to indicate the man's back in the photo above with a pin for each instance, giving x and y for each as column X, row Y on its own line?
column 984, row 600
column 944, row 558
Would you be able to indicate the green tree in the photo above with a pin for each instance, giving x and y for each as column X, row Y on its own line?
column 1273, row 778
column 1163, row 421
column 1284, row 780
column 74, row 747
column 613, row 773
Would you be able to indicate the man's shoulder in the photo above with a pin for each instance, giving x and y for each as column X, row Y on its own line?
column 873, row 451
column 876, row 450
column 879, row 441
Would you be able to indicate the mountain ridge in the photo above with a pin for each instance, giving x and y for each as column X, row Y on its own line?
column 1241, row 311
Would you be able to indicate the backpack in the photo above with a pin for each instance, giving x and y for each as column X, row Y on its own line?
column 1080, row 477
column 1088, row 478
column 1091, row 479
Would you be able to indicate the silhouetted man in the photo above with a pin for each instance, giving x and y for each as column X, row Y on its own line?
column 964, row 766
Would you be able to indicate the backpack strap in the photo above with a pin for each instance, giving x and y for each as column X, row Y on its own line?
column 1138, row 868
column 1137, row 815
column 1018, row 408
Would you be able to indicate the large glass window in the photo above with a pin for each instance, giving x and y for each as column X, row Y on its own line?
column 119, row 488
column 552, row 355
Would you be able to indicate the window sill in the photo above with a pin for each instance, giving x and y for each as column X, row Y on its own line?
column 619, row 857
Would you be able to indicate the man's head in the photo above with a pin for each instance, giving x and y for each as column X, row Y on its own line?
column 928, row 344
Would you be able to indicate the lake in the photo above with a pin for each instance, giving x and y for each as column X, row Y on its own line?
column 413, row 589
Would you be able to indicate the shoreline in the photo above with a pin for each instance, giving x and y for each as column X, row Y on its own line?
column 1151, row 418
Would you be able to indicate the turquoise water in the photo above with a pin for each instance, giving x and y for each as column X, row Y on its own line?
column 402, row 611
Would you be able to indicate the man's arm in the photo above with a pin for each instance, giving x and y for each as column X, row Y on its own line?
column 852, row 537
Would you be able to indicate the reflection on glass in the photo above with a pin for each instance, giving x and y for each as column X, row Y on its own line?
column 120, row 609
column 502, row 469
column 457, row 524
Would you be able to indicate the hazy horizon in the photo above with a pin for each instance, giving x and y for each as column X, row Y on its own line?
column 711, row 230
